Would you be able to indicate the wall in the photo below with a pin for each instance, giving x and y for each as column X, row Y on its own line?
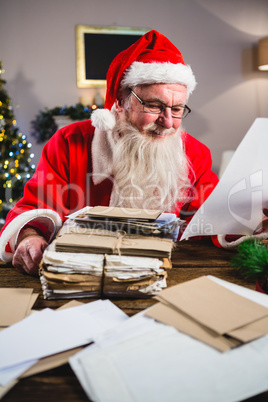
column 217, row 38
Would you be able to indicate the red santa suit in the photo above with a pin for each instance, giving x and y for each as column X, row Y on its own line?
column 75, row 171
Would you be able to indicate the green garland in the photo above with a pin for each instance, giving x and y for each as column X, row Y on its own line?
column 252, row 261
column 44, row 126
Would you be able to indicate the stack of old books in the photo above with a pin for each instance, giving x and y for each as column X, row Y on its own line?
column 110, row 252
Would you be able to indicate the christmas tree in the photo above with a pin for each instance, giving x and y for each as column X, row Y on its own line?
column 15, row 155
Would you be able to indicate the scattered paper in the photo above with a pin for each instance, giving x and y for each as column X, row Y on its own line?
column 253, row 295
column 15, row 304
column 9, row 374
column 212, row 305
column 50, row 362
column 83, row 324
column 4, row 390
column 143, row 361
column 167, row 315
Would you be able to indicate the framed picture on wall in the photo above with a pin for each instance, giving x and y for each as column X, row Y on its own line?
column 96, row 47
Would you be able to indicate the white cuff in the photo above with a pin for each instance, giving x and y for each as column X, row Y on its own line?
column 231, row 244
column 47, row 217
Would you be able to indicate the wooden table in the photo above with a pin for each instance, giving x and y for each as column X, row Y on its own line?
column 191, row 259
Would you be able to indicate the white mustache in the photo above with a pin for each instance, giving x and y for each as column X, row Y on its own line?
column 156, row 128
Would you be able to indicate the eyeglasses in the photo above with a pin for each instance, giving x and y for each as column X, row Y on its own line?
column 177, row 111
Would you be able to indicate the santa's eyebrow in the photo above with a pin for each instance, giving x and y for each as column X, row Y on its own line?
column 163, row 103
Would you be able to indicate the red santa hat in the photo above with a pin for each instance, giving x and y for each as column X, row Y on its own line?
column 152, row 59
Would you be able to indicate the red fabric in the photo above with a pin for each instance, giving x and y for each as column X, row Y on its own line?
column 216, row 241
column 202, row 177
column 151, row 47
column 63, row 178
column 259, row 287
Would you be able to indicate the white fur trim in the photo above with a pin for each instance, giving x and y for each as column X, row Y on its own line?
column 104, row 119
column 46, row 216
column 102, row 155
column 163, row 73
column 227, row 244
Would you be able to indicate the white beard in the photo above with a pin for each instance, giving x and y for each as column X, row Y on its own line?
column 149, row 172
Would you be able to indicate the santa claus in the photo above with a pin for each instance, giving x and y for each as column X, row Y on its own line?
column 133, row 153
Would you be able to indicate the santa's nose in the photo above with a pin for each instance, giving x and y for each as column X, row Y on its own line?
column 165, row 119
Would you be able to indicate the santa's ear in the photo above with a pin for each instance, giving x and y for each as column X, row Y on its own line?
column 119, row 105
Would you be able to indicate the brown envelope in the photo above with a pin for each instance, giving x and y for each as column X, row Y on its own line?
column 15, row 304
column 251, row 331
column 213, row 305
column 146, row 246
column 123, row 213
column 72, row 303
column 32, row 301
column 50, row 362
column 166, row 314
column 85, row 243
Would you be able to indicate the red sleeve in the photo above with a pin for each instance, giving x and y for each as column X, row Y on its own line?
column 40, row 190
column 49, row 187
column 203, row 179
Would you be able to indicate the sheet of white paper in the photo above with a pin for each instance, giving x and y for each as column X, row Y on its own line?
column 168, row 364
column 145, row 361
column 49, row 332
column 235, row 205
column 81, row 211
column 135, row 327
column 11, row 373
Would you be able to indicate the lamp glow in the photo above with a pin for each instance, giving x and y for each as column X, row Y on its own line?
column 263, row 54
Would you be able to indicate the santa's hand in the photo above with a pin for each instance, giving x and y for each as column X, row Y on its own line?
column 29, row 253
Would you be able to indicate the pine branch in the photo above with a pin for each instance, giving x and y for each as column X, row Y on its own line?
column 251, row 259
column 44, row 126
